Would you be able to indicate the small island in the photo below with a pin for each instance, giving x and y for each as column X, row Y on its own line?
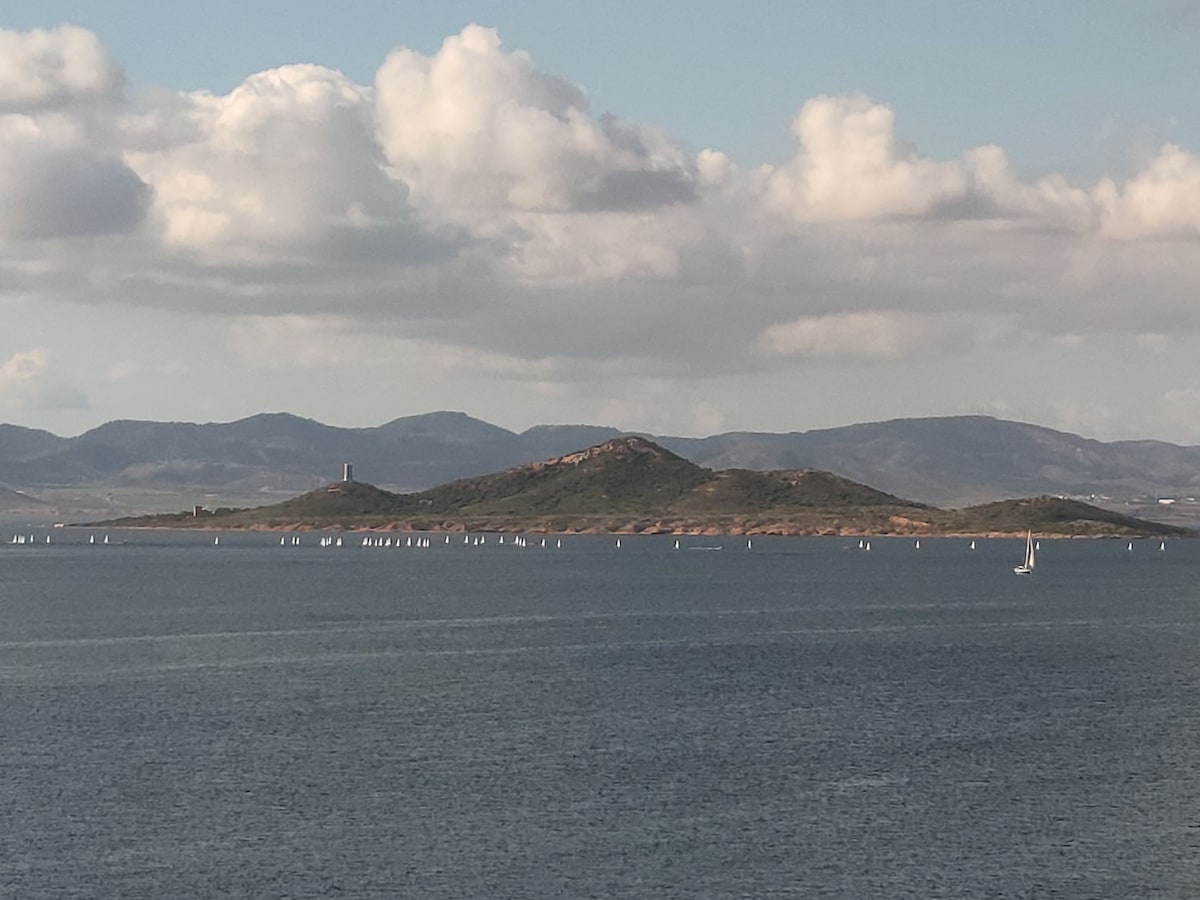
column 631, row 485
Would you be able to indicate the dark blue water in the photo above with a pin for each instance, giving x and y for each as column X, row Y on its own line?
column 797, row 720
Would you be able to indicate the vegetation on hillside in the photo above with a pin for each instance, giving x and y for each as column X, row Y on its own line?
column 631, row 484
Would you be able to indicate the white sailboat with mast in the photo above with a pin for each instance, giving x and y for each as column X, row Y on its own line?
column 1026, row 568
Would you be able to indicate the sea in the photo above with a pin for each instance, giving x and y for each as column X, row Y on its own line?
column 797, row 717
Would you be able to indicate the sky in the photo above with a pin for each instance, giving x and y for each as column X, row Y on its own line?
column 679, row 218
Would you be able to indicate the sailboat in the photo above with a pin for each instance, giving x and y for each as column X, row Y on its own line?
column 1026, row 568
column 972, row 545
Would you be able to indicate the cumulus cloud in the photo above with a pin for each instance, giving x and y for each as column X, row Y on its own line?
column 469, row 209
column 1162, row 200
column 474, row 128
column 50, row 190
column 59, row 175
column 285, row 160
column 852, row 167
column 43, row 69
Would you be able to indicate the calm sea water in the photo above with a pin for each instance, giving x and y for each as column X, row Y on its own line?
column 797, row 720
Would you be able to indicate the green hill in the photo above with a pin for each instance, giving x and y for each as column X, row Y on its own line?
column 630, row 484
column 1057, row 515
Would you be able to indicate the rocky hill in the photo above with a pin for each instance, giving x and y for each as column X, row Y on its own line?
column 633, row 485
column 953, row 461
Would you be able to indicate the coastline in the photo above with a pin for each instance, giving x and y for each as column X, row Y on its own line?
column 461, row 528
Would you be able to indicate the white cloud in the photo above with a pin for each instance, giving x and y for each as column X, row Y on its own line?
column 492, row 144
column 851, row 167
column 866, row 336
column 43, row 69
column 1162, row 200
column 469, row 212
column 60, row 173
column 475, row 129
column 285, row 160
column 53, row 185
column 25, row 384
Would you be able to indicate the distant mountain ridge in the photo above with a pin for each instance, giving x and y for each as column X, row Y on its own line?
column 632, row 485
column 944, row 461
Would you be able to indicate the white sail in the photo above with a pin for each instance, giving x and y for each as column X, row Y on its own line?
column 1026, row 568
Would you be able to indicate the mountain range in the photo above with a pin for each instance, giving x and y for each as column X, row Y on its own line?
column 139, row 466
column 633, row 485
